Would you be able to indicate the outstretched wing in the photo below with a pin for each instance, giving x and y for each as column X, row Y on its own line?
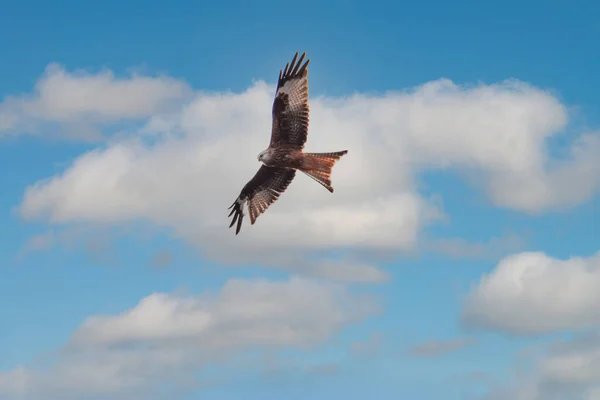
column 260, row 192
column 290, row 107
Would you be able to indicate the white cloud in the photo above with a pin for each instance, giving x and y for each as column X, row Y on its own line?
column 561, row 184
column 79, row 100
column 204, row 153
column 532, row 293
column 166, row 337
column 255, row 307
column 565, row 370
column 435, row 348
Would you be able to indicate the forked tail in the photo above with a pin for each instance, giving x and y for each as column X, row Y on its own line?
column 319, row 165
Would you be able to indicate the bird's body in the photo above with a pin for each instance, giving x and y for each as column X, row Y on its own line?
column 284, row 156
column 296, row 159
column 281, row 157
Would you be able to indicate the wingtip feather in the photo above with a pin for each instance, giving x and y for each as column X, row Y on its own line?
column 239, row 225
column 238, row 215
column 294, row 59
column 295, row 66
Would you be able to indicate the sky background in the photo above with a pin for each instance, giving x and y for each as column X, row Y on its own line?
column 458, row 257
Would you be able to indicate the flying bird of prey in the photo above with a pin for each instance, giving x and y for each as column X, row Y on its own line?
column 284, row 155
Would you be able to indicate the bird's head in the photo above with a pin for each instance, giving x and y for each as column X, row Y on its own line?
column 261, row 155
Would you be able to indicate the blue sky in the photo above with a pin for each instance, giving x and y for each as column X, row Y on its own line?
column 457, row 258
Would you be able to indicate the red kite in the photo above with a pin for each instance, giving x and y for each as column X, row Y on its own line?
column 284, row 155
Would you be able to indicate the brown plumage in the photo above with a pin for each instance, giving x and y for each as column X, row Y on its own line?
column 319, row 165
column 284, row 155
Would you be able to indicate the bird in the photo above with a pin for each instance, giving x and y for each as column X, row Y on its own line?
column 284, row 156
